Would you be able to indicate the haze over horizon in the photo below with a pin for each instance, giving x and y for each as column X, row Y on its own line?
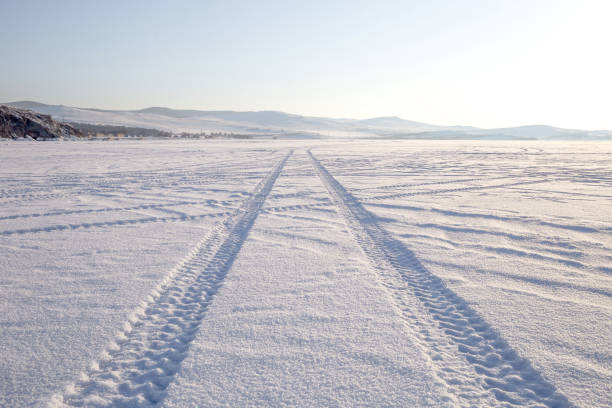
column 485, row 64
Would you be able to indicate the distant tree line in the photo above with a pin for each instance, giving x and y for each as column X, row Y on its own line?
column 212, row 135
column 90, row 130
column 116, row 131
column 230, row 135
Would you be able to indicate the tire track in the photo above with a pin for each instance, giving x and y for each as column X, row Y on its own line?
column 431, row 183
column 147, row 220
column 475, row 363
column 209, row 202
column 106, row 224
column 31, row 197
column 312, row 207
column 138, row 366
column 455, row 190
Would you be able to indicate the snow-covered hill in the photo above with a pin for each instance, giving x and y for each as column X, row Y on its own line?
column 267, row 123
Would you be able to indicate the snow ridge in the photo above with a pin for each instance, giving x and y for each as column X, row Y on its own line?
column 142, row 361
column 456, row 189
column 477, row 366
column 100, row 210
column 101, row 224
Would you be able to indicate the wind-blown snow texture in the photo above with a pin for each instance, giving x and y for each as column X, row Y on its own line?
column 305, row 274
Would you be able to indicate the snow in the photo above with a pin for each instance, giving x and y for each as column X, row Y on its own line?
column 304, row 321
column 271, row 123
column 305, row 273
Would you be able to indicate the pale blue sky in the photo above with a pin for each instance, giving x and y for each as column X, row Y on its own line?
column 483, row 63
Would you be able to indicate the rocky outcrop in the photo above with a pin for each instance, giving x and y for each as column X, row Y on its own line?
column 23, row 123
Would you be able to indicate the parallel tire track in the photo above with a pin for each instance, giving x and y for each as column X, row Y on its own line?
column 139, row 365
column 477, row 366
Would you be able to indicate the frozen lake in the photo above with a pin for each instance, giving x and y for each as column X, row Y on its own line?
column 305, row 273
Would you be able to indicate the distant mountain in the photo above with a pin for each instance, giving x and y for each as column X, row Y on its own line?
column 393, row 122
column 280, row 124
column 551, row 133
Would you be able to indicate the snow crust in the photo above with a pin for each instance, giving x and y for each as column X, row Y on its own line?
column 307, row 292
column 303, row 318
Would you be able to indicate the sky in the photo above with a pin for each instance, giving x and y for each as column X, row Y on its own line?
column 481, row 63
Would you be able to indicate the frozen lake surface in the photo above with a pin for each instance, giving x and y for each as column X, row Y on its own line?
column 305, row 273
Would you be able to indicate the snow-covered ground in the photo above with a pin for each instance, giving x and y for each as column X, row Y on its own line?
column 300, row 273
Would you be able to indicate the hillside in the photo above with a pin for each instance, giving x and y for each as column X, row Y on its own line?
column 18, row 123
column 285, row 125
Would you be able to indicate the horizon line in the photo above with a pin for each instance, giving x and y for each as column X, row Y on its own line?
column 302, row 115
